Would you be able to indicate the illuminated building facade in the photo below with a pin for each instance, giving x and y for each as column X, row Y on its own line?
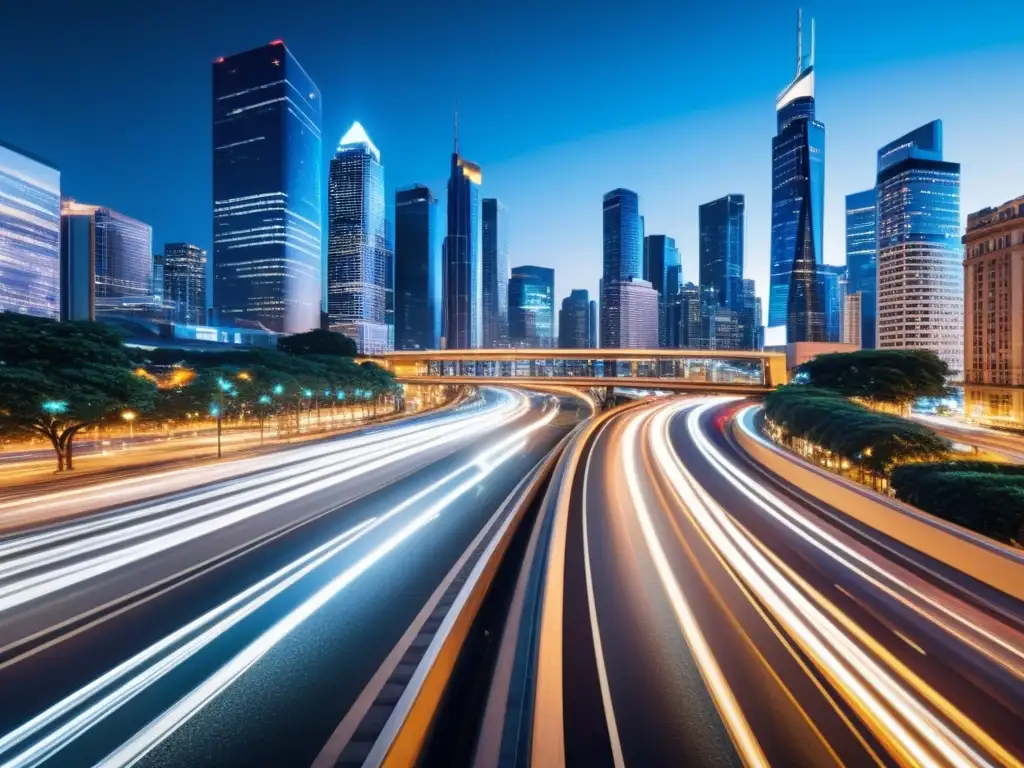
column 357, row 252
column 574, row 321
column 720, row 258
column 463, row 269
column 622, row 260
column 531, row 307
column 920, row 272
column 862, row 259
column 184, row 282
column 994, row 315
column 638, row 306
column 29, row 234
column 266, row 191
column 663, row 270
column 798, row 196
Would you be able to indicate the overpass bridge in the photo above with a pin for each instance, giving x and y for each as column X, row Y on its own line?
column 683, row 370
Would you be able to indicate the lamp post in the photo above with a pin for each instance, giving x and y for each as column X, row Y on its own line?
column 264, row 401
column 218, row 410
column 129, row 416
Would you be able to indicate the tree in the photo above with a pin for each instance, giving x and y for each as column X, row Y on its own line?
column 318, row 342
column 897, row 376
column 59, row 378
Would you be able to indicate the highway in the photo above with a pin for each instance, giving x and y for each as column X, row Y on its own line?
column 233, row 614
column 714, row 614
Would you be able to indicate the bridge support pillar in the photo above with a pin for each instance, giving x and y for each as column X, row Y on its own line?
column 609, row 397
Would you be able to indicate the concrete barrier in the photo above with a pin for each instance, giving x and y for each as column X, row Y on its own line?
column 984, row 559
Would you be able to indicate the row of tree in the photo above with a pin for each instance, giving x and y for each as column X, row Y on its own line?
column 882, row 376
column 57, row 379
column 873, row 441
column 983, row 496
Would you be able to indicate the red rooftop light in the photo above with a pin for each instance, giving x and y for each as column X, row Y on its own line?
column 219, row 60
column 279, row 41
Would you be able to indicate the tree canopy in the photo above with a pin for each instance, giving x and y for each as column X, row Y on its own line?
column 58, row 378
column 318, row 342
column 897, row 376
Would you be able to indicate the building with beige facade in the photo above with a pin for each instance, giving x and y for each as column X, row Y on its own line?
column 853, row 310
column 994, row 315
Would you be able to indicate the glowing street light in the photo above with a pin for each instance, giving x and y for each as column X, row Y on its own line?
column 278, row 389
column 55, row 406
column 129, row 416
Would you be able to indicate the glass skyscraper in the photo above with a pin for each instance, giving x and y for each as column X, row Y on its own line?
column 662, row 269
column 495, row 274
column 531, row 307
column 267, row 204
column 920, row 258
column 798, row 196
column 107, row 261
column 463, row 273
column 184, row 281
column 418, row 273
column 720, row 257
column 574, row 321
column 622, row 258
column 861, row 258
column 29, row 234
column 834, row 282
column 357, row 243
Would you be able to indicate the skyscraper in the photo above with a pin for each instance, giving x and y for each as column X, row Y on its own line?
column 30, row 274
column 637, row 302
column 495, row 274
column 418, row 274
column 357, row 243
column 158, row 278
column 920, row 274
column 747, row 319
column 531, row 307
column 798, row 197
column 574, row 321
column 720, row 225
column 463, row 270
column 861, row 259
column 623, row 259
column 106, row 261
column 592, row 327
column 266, row 191
column 852, row 319
column 690, row 313
column 663, row 270
column 834, row 283
column 184, row 271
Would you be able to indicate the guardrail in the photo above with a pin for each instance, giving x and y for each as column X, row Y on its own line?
column 979, row 557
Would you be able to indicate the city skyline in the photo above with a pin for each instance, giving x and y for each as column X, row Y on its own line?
column 853, row 57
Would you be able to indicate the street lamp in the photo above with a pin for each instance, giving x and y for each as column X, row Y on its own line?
column 55, row 406
column 218, row 410
column 264, row 401
column 129, row 416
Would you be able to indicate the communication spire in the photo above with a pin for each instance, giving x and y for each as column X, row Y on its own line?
column 812, row 42
column 456, row 127
column 799, row 40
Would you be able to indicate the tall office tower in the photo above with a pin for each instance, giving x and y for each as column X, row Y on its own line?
column 663, row 270
column 690, row 313
column 30, row 276
column 106, row 261
column 531, row 307
column 853, row 321
column 623, row 259
column 861, row 259
column 758, row 324
column 637, row 302
column 994, row 315
column 574, row 321
column 463, row 270
column 798, row 197
column 834, row 284
column 266, row 191
column 495, row 274
column 357, row 243
column 746, row 318
column 185, row 282
column 592, row 326
column 721, row 249
column 418, row 271
column 389, row 290
column 158, row 278
column 920, row 275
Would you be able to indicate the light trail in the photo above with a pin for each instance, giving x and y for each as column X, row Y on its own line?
column 891, row 710
column 211, row 517
column 119, row 686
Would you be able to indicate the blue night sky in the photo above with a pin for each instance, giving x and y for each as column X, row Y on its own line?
column 559, row 102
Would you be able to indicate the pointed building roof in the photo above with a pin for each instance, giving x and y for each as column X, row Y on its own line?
column 356, row 136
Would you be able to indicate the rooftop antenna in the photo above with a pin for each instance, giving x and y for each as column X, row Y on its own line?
column 456, row 127
column 799, row 40
column 812, row 41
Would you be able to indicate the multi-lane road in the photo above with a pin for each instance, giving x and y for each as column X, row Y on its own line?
column 715, row 614
column 237, row 621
